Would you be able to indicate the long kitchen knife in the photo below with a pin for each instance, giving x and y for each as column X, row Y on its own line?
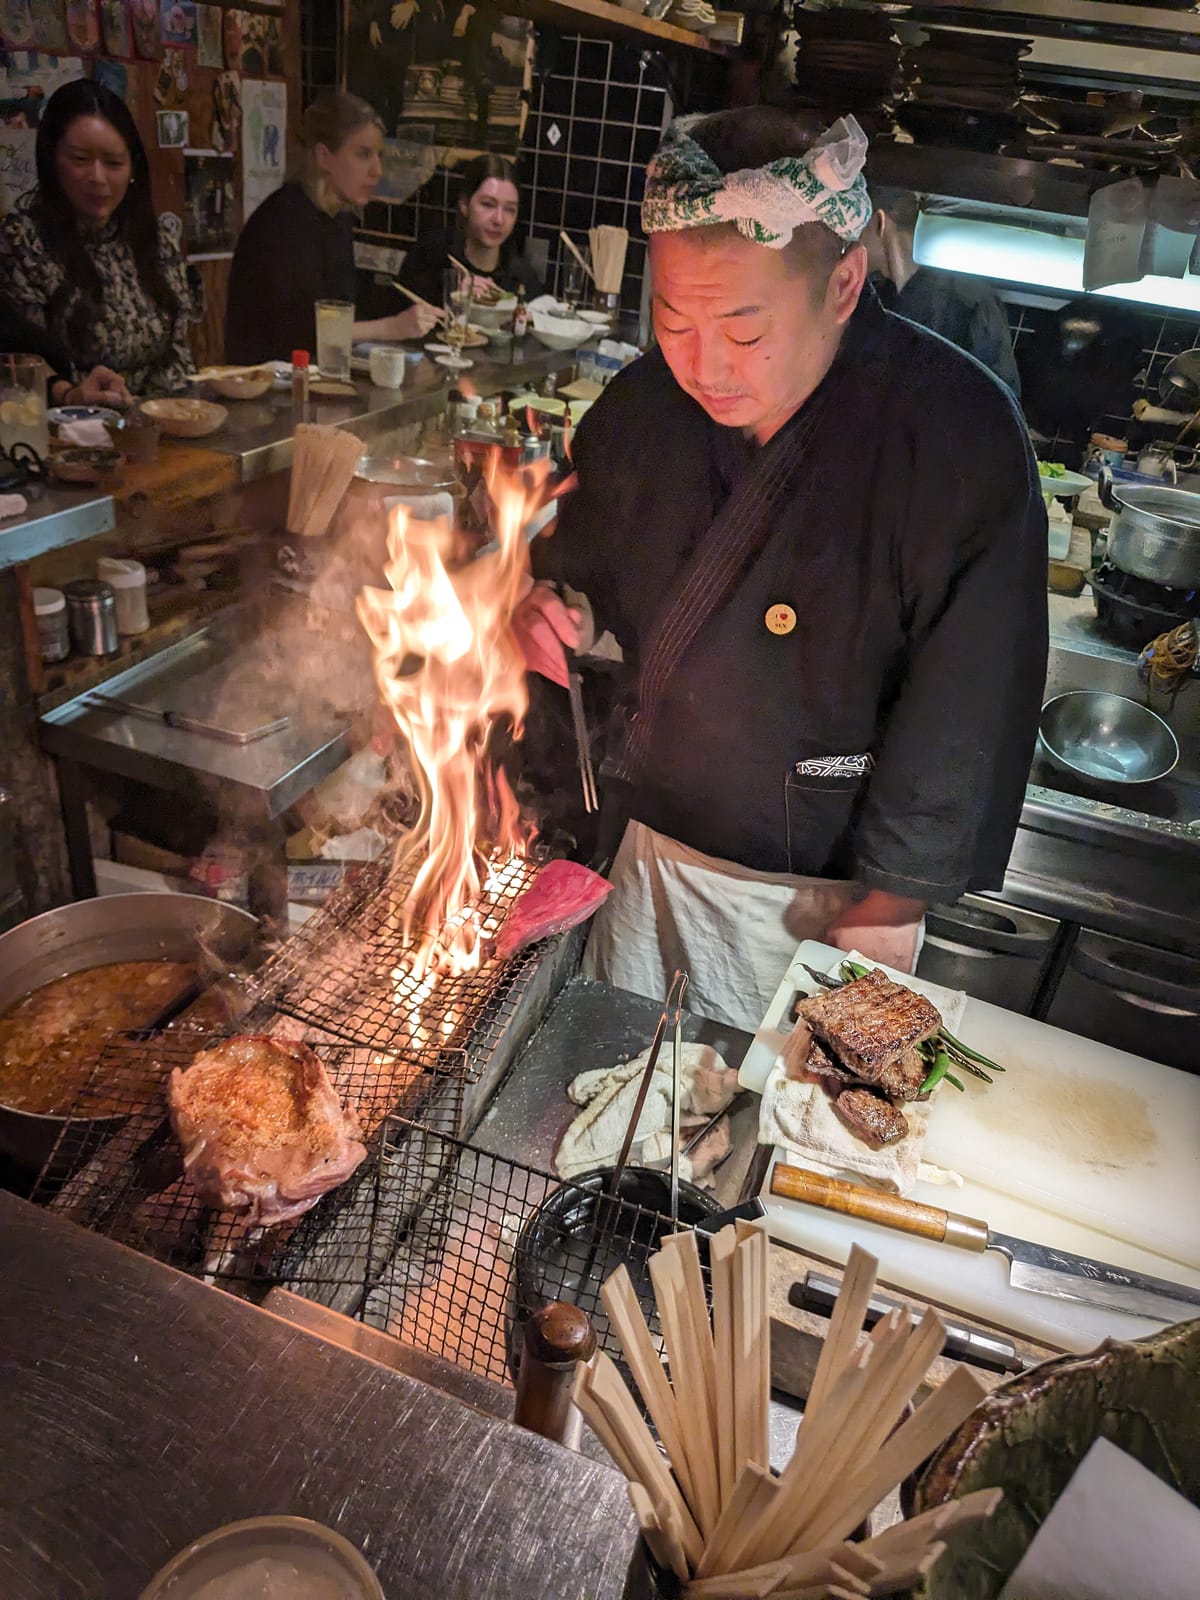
column 1037, row 1268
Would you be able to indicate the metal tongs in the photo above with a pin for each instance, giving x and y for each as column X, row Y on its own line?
column 673, row 1010
column 587, row 775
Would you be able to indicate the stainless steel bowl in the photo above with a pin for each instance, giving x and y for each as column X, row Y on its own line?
column 1106, row 738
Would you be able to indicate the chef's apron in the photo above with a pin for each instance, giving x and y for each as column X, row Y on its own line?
column 732, row 930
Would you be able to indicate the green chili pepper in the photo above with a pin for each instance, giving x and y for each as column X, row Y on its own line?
column 950, row 1078
column 854, row 970
column 941, row 1067
column 961, row 1049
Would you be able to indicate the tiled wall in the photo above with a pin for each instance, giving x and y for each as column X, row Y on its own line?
column 320, row 36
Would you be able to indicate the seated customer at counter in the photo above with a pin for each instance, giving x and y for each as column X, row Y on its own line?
column 83, row 255
column 298, row 246
column 832, row 609
column 481, row 237
column 100, row 387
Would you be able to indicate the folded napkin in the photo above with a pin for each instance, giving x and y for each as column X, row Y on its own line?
column 798, row 1116
column 88, row 432
column 12, row 505
column 607, row 1096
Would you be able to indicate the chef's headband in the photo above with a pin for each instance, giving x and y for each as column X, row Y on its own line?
column 686, row 189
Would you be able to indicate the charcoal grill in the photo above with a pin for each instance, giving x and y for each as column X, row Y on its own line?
column 345, row 972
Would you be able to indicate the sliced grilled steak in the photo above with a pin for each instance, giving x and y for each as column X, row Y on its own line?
column 902, row 1078
column 870, row 1022
column 872, row 1117
column 823, row 1065
column 262, row 1128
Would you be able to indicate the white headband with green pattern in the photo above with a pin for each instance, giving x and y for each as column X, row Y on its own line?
column 686, row 189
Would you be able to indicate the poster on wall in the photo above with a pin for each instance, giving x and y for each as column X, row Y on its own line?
column 27, row 80
column 177, row 21
column 18, row 166
column 143, row 14
column 16, row 24
column 253, row 44
column 208, row 37
column 457, row 66
column 49, row 24
column 210, row 204
column 227, row 113
column 83, row 25
column 112, row 75
column 264, row 140
column 114, row 23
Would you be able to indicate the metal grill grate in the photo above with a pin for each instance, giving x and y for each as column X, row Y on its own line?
column 345, row 972
column 121, row 1173
column 479, row 1242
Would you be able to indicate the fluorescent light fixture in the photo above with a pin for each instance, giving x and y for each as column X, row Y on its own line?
column 1009, row 254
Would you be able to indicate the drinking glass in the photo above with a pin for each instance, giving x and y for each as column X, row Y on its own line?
column 23, row 403
column 575, row 282
column 456, row 299
column 335, row 334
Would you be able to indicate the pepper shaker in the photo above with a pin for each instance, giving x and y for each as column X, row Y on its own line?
column 92, row 616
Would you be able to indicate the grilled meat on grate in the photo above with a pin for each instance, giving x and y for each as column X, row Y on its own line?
column 870, row 1023
column 262, row 1128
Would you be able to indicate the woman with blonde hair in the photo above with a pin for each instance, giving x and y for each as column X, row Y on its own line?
column 298, row 246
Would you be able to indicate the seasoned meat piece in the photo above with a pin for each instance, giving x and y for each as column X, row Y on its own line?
column 563, row 895
column 902, row 1078
column 823, row 1065
column 870, row 1022
column 871, row 1117
column 262, row 1128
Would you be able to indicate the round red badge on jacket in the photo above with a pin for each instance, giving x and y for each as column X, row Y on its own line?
column 781, row 619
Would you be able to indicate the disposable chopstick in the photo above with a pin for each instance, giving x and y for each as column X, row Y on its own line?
column 625, row 1314
column 666, row 1274
column 418, row 300
column 576, row 252
column 845, row 1324
column 664, row 1546
column 696, row 1306
column 720, row 1254
column 912, row 1442
column 729, row 1548
column 751, row 1396
column 601, row 1426
column 603, row 1390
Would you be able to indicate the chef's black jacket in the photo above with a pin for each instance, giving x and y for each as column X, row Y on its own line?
column 912, row 548
column 289, row 255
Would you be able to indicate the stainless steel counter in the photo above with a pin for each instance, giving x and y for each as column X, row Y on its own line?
column 259, row 432
column 55, row 518
column 144, row 1408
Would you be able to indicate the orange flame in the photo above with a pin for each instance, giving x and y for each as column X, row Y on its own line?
column 448, row 667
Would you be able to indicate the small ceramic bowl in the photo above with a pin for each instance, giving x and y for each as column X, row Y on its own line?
column 244, row 385
column 85, row 464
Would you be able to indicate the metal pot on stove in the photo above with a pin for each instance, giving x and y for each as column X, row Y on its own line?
column 1155, row 532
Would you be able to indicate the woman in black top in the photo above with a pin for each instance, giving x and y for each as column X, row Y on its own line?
column 480, row 238
column 298, row 247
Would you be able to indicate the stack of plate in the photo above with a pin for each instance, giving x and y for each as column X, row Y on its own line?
column 962, row 89
column 846, row 60
column 697, row 15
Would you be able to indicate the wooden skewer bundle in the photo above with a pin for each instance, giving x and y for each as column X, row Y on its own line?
column 608, row 257
column 710, row 1509
column 323, row 462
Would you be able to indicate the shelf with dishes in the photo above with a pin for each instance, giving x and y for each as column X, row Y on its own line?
column 601, row 18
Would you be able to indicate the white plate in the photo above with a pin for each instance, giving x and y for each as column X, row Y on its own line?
column 455, row 363
column 438, row 350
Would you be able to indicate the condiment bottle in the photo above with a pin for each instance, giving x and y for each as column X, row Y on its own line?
column 50, row 609
column 300, row 375
column 520, row 316
column 127, row 579
column 487, row 421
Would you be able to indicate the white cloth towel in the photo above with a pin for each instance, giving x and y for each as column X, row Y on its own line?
column 798, row 1116
column 607, row 1095
column 88, row 432
column 12, row 505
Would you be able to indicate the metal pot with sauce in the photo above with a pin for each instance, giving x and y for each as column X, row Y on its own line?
column 133, row 954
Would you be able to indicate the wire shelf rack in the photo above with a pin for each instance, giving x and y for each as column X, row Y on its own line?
column 478, row 1242
column 121, row 1173
column 346, row 972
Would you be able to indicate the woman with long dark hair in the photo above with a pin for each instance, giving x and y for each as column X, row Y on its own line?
column 481, row 236
column 83, row 255
column 298, row 247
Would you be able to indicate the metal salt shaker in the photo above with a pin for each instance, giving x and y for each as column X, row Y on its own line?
column 92, row 616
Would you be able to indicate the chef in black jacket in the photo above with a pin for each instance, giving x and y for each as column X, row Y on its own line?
column 815, row 531
column 298, row 246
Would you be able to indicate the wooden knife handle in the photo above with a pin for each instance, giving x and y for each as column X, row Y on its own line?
column 872, row 1205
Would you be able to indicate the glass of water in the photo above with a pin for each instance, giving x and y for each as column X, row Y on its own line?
column 23, row 403
column 335, row 334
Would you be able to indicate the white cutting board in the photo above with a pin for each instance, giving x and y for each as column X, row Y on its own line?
column 1072, row 1127
column 977, row 1285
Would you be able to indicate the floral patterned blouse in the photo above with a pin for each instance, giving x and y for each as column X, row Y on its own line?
column 133, row 335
